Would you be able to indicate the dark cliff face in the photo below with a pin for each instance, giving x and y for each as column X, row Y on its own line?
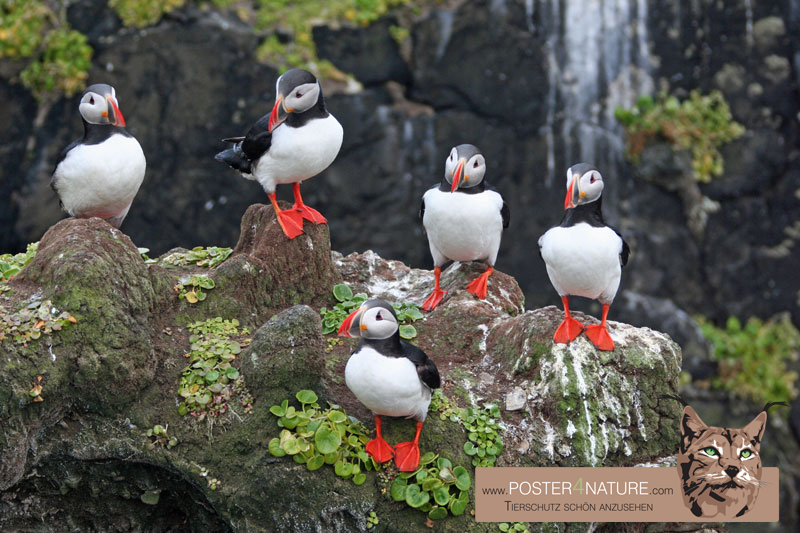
column 533, row 84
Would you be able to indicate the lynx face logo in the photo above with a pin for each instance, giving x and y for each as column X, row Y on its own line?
column 720, row 468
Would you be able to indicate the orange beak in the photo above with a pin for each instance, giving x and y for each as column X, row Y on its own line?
column 569, row 200
column 457, row 175
column 278, row 115
column 117, row 119
column 351, row 327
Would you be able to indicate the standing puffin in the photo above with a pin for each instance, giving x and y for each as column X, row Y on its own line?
column 99, row 174
column 464, row 218
column 584, row 256
column 297, row 140
column 389, row 376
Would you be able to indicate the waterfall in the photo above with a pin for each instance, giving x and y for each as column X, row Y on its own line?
column 598, row 58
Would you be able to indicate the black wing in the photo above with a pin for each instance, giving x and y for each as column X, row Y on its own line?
column 64, row 152
column 505, row 212
column 626, row 251
column 426, row 369
column 258, row 139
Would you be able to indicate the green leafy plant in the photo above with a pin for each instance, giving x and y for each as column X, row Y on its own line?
column 147, row 259
column 210, row 257
column 191, row 287
column 210, row 381
column 700, row 124
column 753, row 358
column 349, row 302
column 11, row 265
column 482, row 424
column 517, row 526
column 315, row 437
column 143, row 13
column 372, row 520
column 37, row 318
column 157, row 436
column 213, row 483
column 436, row 487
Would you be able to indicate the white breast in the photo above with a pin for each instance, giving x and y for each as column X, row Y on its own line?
column 387, row 385
column 463, row 227
column 583, row 260
column 100, row 179
column 297, row 154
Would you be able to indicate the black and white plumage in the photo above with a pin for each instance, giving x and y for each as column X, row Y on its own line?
column 100, row 174
column 297, row 140
column 464, row 218
column 389, row 376
column 584, row 256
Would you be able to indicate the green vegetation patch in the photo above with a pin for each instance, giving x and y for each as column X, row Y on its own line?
column 37, row 318
column 191, row 287
column 210, row 257
column 315, row 437
column 11, row 265
column 210, row 382
column 436, row 487
column 753, row 359
column 157, row 436
column 143, row 13
column 483, row 427
column 58, row 58
column 290, row 25
column 700, row 124
column 349, row 302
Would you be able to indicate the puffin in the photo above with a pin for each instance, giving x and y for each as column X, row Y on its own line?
column 388, row 376
column 99, row 174
column 584, row 256
column 297, row 140
column 464, row 218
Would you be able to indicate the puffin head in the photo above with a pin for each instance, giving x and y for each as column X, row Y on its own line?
column 584, row 185
column 297, row 91
column 375, row 319
column 464, row 167
column 99, row 105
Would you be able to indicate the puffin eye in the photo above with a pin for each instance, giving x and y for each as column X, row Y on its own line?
column 378, row 316
column 475, row 165
column 91, row 100
column 298, row 94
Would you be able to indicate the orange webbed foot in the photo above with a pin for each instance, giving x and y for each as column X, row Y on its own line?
column 600, row 337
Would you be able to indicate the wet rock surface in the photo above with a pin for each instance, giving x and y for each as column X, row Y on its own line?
column 88, row 444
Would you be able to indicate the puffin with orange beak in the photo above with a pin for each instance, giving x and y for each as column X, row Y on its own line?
column 297, row 140
column 464, row 218
column 584, row 256
column 100, row 174
column 389, row 376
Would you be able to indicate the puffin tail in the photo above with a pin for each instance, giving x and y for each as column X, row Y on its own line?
column 235, row 158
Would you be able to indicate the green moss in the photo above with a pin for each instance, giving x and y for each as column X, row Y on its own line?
column 143, row 13
column 700, row 124
column 753, row 358
column 294, row 22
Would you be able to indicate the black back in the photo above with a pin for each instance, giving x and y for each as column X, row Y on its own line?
column 258, row 140
column 396, row 347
